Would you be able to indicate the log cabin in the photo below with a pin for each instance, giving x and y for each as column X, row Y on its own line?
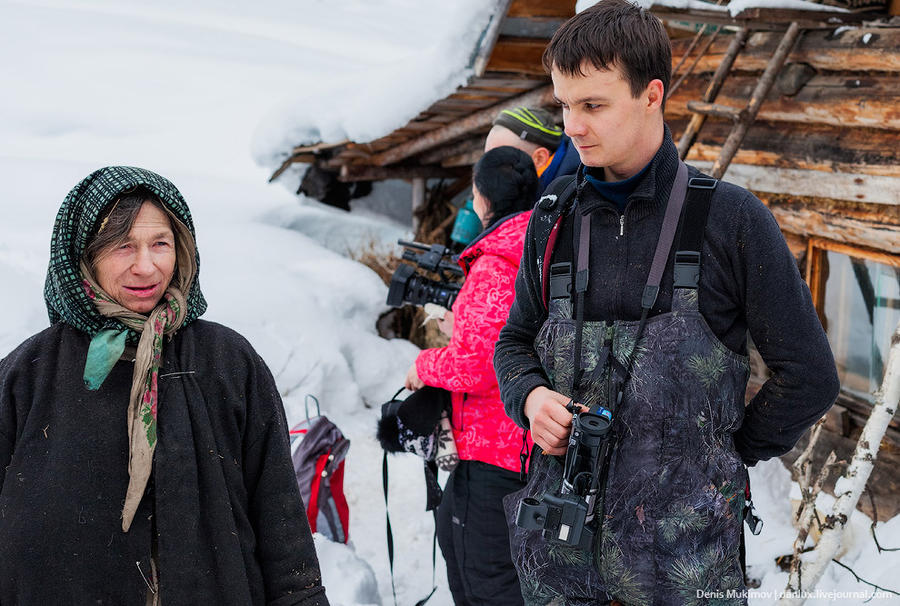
column 815, row 93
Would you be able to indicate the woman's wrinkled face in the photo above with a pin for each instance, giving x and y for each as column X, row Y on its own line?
column 137, row 271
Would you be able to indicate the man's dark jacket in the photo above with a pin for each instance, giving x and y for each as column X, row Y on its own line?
column 224, row 506
column 749, row 282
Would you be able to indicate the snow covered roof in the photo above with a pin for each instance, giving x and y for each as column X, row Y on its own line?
column 434, row 126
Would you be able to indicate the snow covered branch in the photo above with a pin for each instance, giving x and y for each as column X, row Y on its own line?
column 849, row 488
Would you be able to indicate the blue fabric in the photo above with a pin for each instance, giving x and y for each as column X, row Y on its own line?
column 617, row 192
column 104, row 351
column 565, row 162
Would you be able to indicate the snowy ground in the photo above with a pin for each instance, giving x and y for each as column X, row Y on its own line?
column 189, row 92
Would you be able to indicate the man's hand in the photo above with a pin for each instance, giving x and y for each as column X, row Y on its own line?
column 550, row 421
column 413, row 382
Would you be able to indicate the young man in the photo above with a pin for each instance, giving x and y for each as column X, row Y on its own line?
column 533, row 131
column 658, row 348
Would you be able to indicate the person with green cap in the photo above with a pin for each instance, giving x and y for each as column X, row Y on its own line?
column 534, row 131
column 146, row 451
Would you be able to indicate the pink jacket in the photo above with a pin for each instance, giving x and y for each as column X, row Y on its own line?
column 465, row 367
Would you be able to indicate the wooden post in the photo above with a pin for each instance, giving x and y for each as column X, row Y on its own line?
column 756, row 100
column 712, row 91
column 418, row 199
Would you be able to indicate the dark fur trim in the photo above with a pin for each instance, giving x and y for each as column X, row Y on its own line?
column 388, row 434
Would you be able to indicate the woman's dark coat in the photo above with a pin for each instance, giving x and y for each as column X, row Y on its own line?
column 223, row 504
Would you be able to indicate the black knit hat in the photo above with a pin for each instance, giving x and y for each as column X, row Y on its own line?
column 532, row 125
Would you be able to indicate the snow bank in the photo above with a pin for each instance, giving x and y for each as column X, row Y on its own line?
column 378, row 92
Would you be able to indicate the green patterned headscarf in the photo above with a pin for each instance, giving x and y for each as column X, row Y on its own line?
column 73, row 296
column 77, row 222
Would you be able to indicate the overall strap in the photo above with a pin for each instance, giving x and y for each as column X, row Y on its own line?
column 690, row 244
column 558, row 195
column 651, row 290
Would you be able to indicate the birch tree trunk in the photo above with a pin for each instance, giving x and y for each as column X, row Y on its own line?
column 849, row 487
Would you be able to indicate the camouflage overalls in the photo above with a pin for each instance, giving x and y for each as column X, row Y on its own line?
column 675, row 489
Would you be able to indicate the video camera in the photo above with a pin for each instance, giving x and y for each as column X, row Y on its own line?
column 565, row 517
column 407, row 286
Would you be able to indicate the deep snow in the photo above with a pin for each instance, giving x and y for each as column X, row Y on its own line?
column 188, row 91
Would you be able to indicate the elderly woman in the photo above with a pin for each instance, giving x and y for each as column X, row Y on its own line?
column 471, row 525
column 144, row 453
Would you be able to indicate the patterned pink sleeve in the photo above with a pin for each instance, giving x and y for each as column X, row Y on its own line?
column 480, row 311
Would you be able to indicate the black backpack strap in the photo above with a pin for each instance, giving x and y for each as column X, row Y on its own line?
column 390, row 534
column 693, row 224
column 558, row 198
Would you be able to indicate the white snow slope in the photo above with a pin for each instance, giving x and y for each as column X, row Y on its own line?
column 188, row 90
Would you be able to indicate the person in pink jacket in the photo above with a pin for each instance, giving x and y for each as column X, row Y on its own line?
column 471, row 525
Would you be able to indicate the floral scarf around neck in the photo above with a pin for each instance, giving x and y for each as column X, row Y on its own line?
column 73, row 296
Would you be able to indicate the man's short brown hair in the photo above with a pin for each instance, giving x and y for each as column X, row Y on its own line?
column 613, row 33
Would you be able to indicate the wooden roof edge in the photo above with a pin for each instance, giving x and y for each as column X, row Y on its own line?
column 767, row 18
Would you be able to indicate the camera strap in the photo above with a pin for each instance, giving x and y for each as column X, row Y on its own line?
column 651, row 290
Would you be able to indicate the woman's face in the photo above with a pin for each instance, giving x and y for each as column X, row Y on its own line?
column 480, row 204
column 137, row 272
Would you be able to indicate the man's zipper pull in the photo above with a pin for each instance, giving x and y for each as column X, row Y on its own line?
column 622, row 224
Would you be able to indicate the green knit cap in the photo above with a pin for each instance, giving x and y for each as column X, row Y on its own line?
column 77, row 222
column 532, row 125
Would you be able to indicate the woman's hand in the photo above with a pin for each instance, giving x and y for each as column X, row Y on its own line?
column 413, row 382
column 445, row 324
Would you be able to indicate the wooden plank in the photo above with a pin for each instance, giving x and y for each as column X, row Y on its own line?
column 522, row 55
column 769, row 19
column 521, row 83
column 854, row 49
column 530, row 27
column 824, row 147
column 466, row 105
column 460, row 128
column 541, row 8
column 489, row 38
column 838, row 186
column 354, row 172
column 864, row 225
column 757, row 97
column 466, row 159
column 435, row 156
column 869, row 101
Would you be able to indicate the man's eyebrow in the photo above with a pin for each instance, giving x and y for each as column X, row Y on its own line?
column 591, row 99
column 163, row 234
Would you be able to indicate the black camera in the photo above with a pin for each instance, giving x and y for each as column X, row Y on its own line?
column 565, row 517
column 408, row 286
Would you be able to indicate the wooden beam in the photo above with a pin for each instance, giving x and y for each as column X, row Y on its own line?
column 440, row 154
column 489, row 38
column 455, row 130
column 838, row 186
column 760, row 92
column 530, row 27
column 853, row 49
column 541, row 8
column 716, row 110
column 871, row 226
column 847, row 101
column 364, row 172
column 464, row 159
column 769, row 19
column 521, row 55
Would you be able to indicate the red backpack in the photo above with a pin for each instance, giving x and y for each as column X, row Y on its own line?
column 319, row 468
